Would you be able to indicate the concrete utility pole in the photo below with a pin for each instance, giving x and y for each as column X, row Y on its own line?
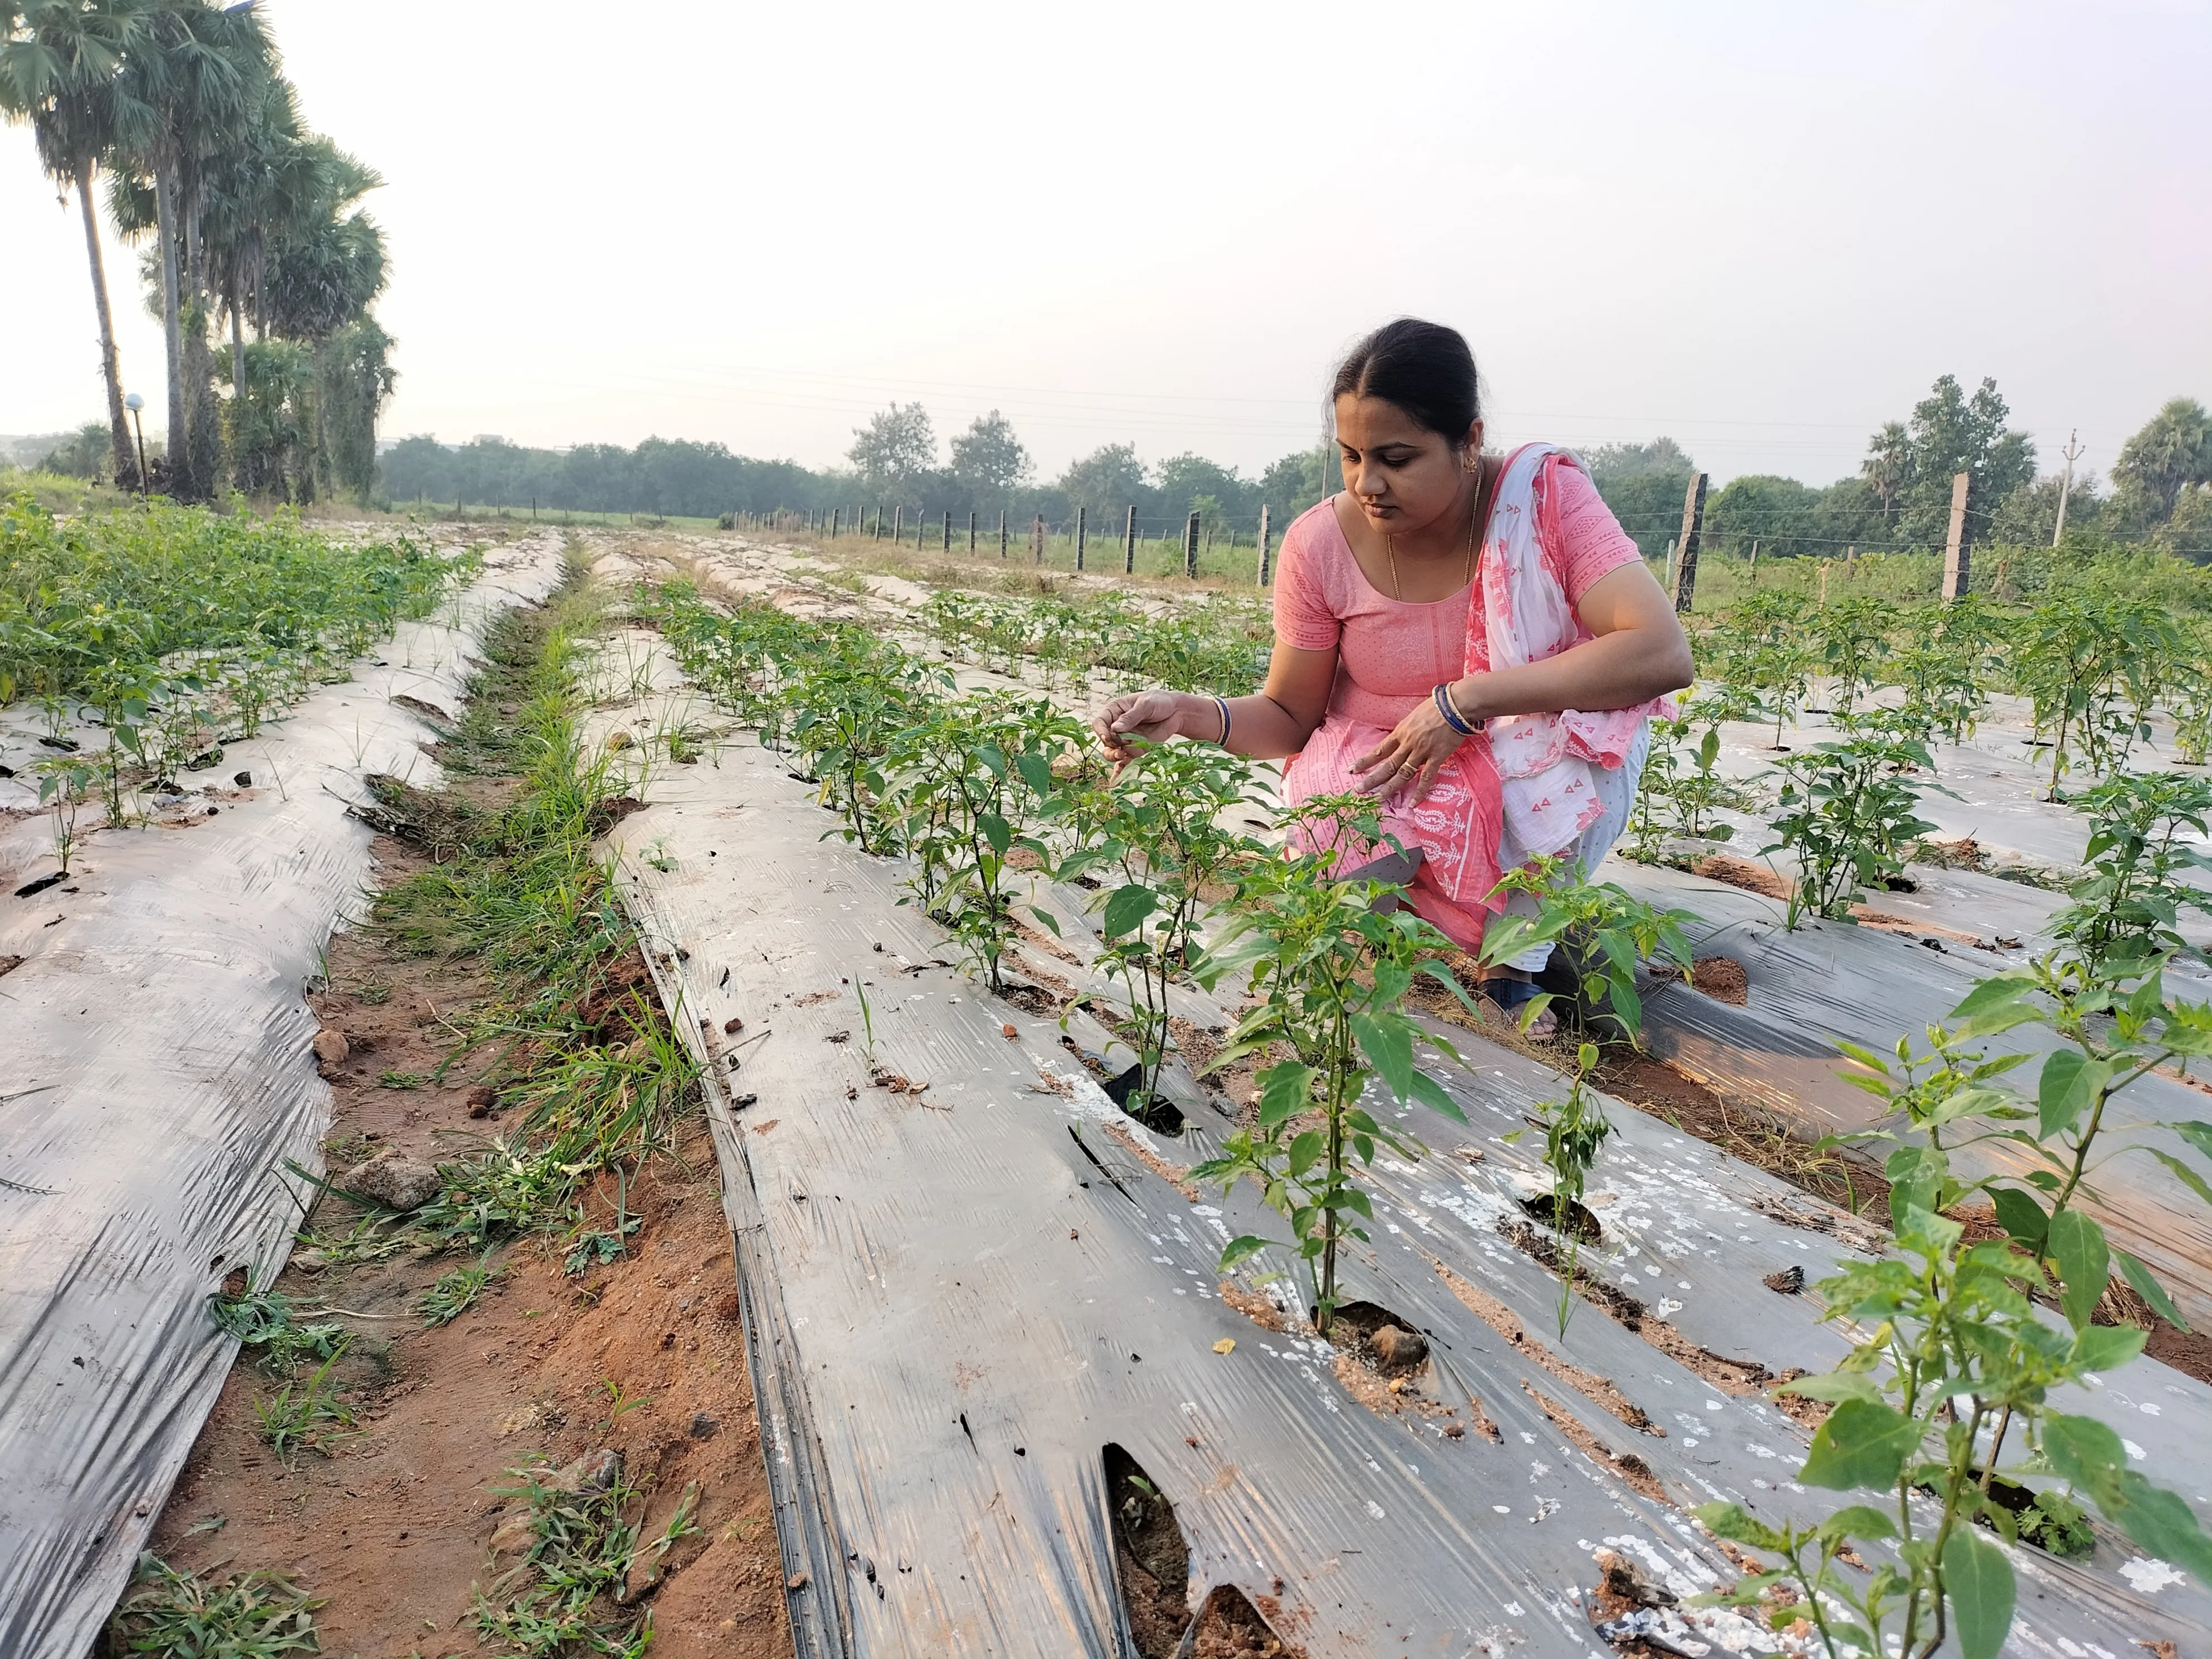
column 2072, row 453
column 971, row 532
column 947, row 548
column 1036, row 540
column 1266, row 571
column 1686, row 550
column 1129, row 544
column 1082, row 533
column 1957, row 557
column 1190, row 546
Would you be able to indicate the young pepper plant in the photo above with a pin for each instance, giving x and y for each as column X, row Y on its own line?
column 2128, row 906
column 1954, row 1353
column 1847, row 811
column 1330, row 962
column 1158, row 825
column 1614, row 934
column 965, row 784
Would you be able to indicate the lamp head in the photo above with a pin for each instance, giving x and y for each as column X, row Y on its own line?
column 134, row 403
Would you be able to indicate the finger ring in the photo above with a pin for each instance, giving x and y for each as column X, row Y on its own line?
column 1407, row 770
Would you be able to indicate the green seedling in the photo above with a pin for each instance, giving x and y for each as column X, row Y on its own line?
column 304, row 1417
column 233, row 1615
column 455, row 1293
column 1847, row 811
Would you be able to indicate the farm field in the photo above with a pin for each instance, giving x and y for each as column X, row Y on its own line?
column 781, row 1153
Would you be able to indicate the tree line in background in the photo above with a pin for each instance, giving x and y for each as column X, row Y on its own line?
column 245, row 217
column 1899, row 499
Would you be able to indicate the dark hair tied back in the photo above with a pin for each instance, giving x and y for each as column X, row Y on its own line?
column 1424, row 368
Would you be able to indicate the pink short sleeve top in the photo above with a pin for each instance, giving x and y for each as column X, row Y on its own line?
column 1391, row 653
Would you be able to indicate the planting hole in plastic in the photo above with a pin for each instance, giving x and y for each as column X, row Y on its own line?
column 1229, row 1624
column 1578, row 1220
column 1152, row 1558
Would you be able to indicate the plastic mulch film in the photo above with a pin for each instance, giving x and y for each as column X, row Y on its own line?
column 967, row 1274
column 155, row 1076
column 1829, row 980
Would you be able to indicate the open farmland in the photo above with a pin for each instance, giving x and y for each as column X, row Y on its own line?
column 1123, row 1230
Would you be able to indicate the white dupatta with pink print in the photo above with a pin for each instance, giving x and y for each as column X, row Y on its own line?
column 1558, row 773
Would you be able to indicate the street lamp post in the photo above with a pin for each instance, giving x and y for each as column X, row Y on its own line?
column 134, row 403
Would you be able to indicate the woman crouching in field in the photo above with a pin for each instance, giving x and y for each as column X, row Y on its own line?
column 1472, row 639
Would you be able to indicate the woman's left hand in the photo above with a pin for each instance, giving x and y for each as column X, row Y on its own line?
column 1409, row 759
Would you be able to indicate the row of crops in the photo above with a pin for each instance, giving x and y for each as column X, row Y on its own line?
column 149, row 638
column 1944, row 1414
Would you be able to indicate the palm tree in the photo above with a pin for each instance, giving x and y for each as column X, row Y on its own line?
column 198, row 71
column 61, row 65
column 1887, row 468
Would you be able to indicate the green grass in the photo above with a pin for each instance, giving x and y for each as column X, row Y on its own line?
column 455, row 1293
column 238, row 1616
column 304, row 1416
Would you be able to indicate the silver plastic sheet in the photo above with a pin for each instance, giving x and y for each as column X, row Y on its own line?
column 154, row 1075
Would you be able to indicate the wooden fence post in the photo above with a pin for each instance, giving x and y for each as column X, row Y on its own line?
column 1002, row 532
column 971, row 530
column 1190, row 546
column 1082, row 533
column 1264, row 571
column 1958, row 556
column 1129, row 544
column 1686, row 551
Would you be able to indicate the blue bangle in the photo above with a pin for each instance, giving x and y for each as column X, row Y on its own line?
column 1452, row 717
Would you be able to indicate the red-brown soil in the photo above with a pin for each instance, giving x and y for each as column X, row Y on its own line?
column 393, row 1525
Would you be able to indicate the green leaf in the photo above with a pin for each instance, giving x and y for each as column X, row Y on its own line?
column 2150, row 1291
column 1046, row 917
column 1241, row 1250
column 1306, row 1152
column 2187, row 1176
column 995, row 830
column 1835, row 1385
column 2085, row 1263
column 1431, row 1093
column 2070, row 1082
column 2088, row 1454
column 1284, row 1092
column 1388, row 1043
column 1996, row 1005
column 1739, row 1526
column 1036, row 771
column 2020, row 1216
column 1127, row 908
column 1857, row 1521
column 1863, row 1444
column 2106, row 1347
column 2198, row 1135
column 1978, row 1579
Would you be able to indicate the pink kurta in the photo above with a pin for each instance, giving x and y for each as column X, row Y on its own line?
column 1391, row 654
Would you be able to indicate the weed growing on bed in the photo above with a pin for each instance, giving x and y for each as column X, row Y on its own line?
column 1159, row 827
column 1330, row 962
column 304, row 1416
column 1847, row 811
column 264, row 1320
column 564, row 1596
column 455, row 1293
column 1953, row 1353
column 238, row 1616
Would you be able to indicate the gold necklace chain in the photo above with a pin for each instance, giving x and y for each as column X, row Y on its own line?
column 1473, row 518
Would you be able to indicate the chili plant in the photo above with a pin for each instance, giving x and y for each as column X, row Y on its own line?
column 851, row 700
column 2091, row 666
column 1954, row 1352
column 2128, row 906
column 1157, row 825
column 1854, row 638
column 1330, row 962
column 965, row 783
column 1613, row 934
column 1847, row 809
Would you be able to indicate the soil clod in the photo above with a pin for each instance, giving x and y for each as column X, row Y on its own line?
column 395, row 1180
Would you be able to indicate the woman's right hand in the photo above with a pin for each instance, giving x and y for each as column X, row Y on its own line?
column 1135, row 716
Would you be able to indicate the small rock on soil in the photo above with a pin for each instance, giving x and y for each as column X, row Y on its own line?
column 396, row 1180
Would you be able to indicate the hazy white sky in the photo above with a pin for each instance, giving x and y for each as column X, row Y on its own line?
column 1762, row 228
